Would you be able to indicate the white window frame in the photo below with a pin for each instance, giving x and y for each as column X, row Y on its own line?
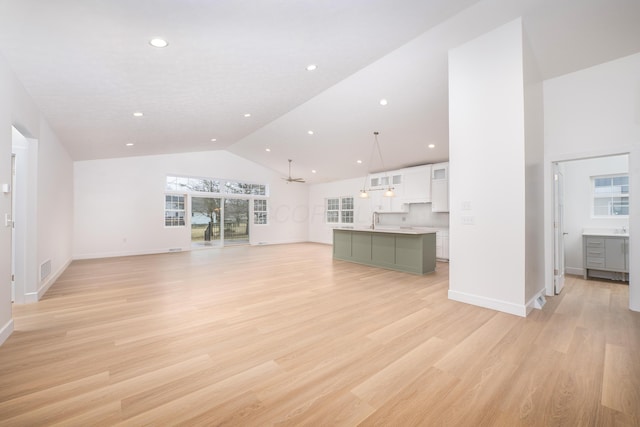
column 336, row 212
column 173, row 210
column 347, row 213
column 610, row 196
column 260, row 213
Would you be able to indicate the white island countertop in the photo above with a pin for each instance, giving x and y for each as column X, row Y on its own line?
column 391, row 230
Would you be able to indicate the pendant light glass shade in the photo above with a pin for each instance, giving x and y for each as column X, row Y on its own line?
column 376, row 147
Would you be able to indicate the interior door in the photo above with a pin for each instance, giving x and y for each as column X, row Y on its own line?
column 558, row 227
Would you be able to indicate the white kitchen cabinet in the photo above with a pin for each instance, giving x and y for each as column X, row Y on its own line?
column 440, row 187
column 379, row 183
column 380, row 203
column 417, row 184
column 442, row 245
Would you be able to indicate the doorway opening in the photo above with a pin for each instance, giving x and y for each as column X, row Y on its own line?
column 23, row 218
column 591, row 198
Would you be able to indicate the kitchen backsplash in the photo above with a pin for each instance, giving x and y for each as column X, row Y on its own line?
column 419, row 215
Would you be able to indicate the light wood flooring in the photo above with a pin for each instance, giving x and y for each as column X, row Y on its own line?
column 284, row 335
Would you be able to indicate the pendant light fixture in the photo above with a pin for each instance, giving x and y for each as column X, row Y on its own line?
column 364, row 193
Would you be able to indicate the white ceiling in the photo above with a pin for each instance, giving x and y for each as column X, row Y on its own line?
column 88, row 66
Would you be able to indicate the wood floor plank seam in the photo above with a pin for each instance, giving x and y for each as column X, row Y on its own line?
column 285, row 335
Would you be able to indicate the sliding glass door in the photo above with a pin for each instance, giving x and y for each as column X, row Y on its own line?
column 236, row 221
column 206, row 217
column 216, row 220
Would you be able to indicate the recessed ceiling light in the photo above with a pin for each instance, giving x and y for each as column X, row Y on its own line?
column 312, row 67
column 129, row 144
column 247, row 115
column 213, row 140
column 310, row 132
column 158, row 42
column 432, row 145
column 358, row 161
column 313, row 171
column 383, row 101
column 138, row 114
column 267, row 149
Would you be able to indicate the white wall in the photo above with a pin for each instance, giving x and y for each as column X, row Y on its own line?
column 319, row 230
column 534, row 176
column 578, row 204
column 7, row 82
column 51, row 203
column 487, row 170
column 55, row 206
column 594, row 112
column 119, row 203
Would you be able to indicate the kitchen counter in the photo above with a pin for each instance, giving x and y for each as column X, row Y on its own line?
column 605, row 232
column 408, row 249
column 397, row 230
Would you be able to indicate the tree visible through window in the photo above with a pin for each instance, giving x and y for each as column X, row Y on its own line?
column 610, row 195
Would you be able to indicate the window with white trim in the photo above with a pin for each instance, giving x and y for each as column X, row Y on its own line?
column 339, row 210
column 260, row 211
column 174, row 210
column 346, row 210
column 213, row 185
column 610, row 195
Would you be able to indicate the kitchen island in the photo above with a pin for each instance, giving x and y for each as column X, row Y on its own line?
column 408, row 250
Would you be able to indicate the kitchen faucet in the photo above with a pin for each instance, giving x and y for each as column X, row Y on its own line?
column 374, row 217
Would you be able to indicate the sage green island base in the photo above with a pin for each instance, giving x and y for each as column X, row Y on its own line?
column 408, row 251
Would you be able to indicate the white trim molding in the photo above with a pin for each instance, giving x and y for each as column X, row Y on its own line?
column 494, row 304
column 6, row 330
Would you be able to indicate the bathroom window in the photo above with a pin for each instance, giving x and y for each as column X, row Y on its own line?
column 610, row 196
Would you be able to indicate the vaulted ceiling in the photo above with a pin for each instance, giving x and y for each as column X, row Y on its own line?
column 88, row 66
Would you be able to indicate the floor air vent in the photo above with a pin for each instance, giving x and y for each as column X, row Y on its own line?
column 539, row 302
column 45, row 269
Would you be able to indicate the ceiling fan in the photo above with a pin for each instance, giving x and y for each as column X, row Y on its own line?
column 289, row 179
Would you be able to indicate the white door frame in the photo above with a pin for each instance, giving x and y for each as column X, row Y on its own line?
column 558, row 227
column 25, row 219
column 550, row 207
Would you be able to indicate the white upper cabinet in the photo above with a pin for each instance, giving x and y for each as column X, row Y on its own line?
column 417, row 184
column 440, row 187
column 381, row 182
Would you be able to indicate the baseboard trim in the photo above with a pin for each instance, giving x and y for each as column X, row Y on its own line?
column 123, row 254
column 51, row 280
column 577, row 271
column 166, row 250
column 6, row 331
column 494, row 304
column 532, row 303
